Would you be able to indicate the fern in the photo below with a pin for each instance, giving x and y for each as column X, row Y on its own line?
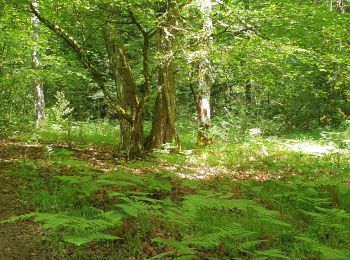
column 180, row 248
column 18, row 218
column 154, row 184
column 85, row 183
column 272, row 254
column 193, row 203
column 118, row 183
column 137, row 207
column 80, row 239
column 247, row 246
column 213, row 240
column 78, row 230
column 327, row 252
column 121, row 176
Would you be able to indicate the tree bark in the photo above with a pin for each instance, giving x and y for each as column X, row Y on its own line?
column 39, row 100
column 132, row 138
column 131, row 133
column 341, row 6
column 204, row 75
column 163, row 125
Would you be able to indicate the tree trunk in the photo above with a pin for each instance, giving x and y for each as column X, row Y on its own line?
column 131, row 132
column 248, row 94
column 204, row 75
column 163, row 126
column 39, row 101
column 341, row 6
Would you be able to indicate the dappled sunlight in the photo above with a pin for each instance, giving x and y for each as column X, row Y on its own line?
column 307, row 147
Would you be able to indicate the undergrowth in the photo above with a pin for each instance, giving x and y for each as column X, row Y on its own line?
column 143, row 210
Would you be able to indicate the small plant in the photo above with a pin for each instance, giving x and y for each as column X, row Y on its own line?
column 61, row 110
column 61, row 114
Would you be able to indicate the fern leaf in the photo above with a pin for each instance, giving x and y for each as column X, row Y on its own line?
column 87, row 238
column 272, row 254
column 18, row 218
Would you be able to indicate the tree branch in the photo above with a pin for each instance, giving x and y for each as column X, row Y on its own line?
column 84, row 59
column 136, row 22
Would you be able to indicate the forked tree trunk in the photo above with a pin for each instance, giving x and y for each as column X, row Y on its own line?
column 163, row 126
column 39, row 101
column 131, row 133
column 132, row 138
column 204, row 75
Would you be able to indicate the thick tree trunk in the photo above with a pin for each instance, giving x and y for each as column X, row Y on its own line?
column 39, row 101
column 131, row 132
column 204, row 75
column 163, row 126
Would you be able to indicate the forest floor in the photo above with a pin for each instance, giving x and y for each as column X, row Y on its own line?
column 260, row 197
column 17, row 240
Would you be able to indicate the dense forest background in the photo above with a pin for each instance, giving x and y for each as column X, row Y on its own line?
column 276, row 65
column 175, row 129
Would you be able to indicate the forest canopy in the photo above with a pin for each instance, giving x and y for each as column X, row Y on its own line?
column 276, row 65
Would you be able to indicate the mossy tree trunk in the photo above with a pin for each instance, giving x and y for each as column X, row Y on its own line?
column 163, row 125
column 131, row 132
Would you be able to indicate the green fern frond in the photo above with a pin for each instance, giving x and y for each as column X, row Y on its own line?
column 249, row 245
column 121, row 176
column 75, row 179
column 79, row 230
column 118, row 183
column 272, row 254
column 193, row 203
column 154, row 184
column 327, row 252
column 87, row 238
column 213, row 240
column 133, row 209
column 321, row 219
column 18, row 218
column 338, row 213
column 180, row 247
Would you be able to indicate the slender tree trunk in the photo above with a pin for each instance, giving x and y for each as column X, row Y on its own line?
column 204, row 75
column 163, row 126
column 248, row 94
column 39, row 101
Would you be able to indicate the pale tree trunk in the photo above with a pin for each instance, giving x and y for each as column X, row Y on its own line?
column 204, row 74
column 340, row 6
column 163, row 125
column 39, row 101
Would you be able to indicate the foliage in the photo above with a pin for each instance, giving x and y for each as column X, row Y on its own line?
column 303, row 214
column 273, row 185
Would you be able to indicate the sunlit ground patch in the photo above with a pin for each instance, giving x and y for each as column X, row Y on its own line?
column 308, row 147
